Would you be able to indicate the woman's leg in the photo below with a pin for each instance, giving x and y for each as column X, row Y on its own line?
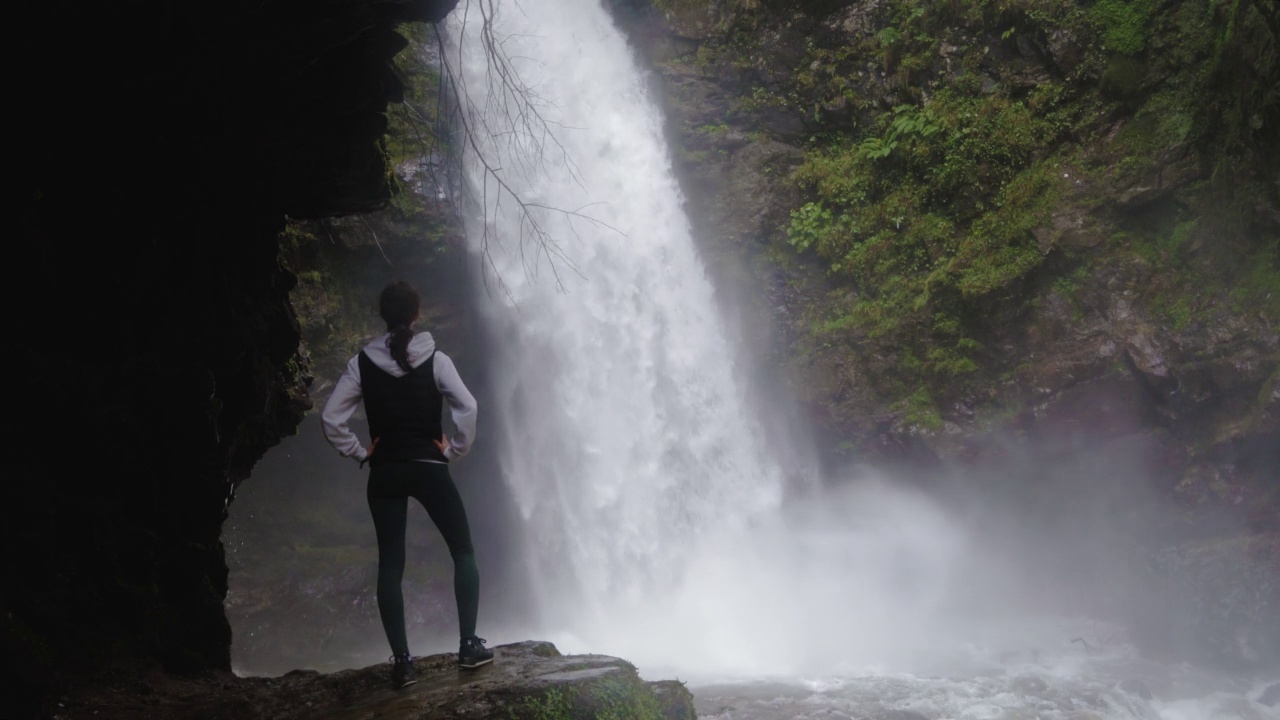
column 439, row 496
column 389, row 509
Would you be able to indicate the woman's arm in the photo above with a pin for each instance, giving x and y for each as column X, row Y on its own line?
column 339, row 408
column 462, row 406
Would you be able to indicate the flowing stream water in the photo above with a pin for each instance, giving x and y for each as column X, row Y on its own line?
column 660, row 522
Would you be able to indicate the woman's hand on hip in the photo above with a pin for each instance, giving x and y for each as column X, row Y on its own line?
column 368, row 452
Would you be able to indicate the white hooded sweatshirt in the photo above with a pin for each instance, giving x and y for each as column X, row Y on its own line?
column 347, row 396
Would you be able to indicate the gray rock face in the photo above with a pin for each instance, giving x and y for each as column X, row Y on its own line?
column 1065, row 50
column 224, row 127
column 858, row 20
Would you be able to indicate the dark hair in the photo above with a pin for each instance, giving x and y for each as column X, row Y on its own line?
column 398, row 305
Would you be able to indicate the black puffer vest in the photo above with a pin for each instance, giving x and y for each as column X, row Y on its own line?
column 404, row 412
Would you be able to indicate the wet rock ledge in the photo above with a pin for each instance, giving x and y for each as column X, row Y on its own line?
column 528, row 680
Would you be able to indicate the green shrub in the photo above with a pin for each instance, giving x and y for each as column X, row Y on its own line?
column 924, row 216
column 1124, row 24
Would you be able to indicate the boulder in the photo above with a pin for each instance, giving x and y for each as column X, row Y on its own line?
column 1175, row 168
column 1065, row 49
column 1073, row 228
column 859, row 20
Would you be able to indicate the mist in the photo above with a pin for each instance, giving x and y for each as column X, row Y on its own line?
column 854, row 574
column 871, row 573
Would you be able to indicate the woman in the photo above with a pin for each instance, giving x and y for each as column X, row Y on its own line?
column 404, row 382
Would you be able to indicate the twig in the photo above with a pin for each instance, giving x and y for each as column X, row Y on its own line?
column 376, row 241
column 525, row 134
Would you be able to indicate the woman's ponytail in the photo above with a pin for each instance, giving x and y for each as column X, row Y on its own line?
column 398, row 305
column 399, row 345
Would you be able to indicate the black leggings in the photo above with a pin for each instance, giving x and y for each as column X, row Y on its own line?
column 390, row 487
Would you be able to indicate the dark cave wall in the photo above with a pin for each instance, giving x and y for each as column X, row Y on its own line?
column 159, row 149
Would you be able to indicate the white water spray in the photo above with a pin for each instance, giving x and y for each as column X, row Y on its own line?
column 628, row 441
column 653, row 499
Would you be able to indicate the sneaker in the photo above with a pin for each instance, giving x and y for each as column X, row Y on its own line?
column 472, row 653
column 402, row 672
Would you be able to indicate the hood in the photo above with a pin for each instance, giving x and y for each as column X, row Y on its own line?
column 420, row 348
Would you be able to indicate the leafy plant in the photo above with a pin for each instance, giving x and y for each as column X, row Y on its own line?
column 1124, row 24
column 907, row 122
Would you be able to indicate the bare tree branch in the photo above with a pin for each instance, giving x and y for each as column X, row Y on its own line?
column 512, row 117
column 376, row 241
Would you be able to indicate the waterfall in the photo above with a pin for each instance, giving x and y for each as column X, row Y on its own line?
column 652, row 500
column 628, row 440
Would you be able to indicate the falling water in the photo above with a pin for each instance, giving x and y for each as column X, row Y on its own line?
column 654, row 504
column 628, row 440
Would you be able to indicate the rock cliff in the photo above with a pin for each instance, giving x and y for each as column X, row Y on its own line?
column 160, row 149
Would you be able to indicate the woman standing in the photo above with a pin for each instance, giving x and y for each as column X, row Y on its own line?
column 404, row 383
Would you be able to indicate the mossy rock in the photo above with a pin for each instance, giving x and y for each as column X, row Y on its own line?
column 1122, row 80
